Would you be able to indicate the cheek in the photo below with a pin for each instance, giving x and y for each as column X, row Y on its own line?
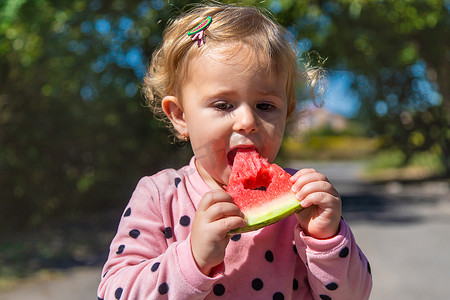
column 273, row 139
column 276, row 130
column 210, row 150
column 280, row 128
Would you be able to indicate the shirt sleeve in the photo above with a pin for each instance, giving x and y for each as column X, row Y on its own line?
column 336, row 267
column 142, row 263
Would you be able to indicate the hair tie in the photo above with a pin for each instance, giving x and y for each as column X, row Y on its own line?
column 198, row 32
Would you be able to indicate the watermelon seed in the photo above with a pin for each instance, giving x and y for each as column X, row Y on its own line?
column 261, row 188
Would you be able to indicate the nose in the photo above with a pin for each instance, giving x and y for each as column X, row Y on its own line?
column 245, row 120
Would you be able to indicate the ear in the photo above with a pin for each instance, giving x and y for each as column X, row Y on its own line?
column 174, row 111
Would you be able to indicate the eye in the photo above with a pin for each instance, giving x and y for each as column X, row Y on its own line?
column 222, row 105
column 265, row 106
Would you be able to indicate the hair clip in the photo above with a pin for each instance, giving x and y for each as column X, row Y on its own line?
column 198, row 31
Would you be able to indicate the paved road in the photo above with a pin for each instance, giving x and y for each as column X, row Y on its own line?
column 78, row 283
column 403, row 229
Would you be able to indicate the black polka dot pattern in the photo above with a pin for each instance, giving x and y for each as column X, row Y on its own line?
column 155, row 266
column 120, row 250
column 278, row 296
column 185, row 221
column 219, row 289
column 127, row 212
column 163, row 288
column 168, row 232
column 295, row 284
column 118, row 293
column 177, row 181
column 332, row 286
column 236, row 237
column 257, row 284
column 134, row 233
column 269, row 256
column 344, row 252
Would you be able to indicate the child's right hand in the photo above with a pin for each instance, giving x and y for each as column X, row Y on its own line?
column 215, row 217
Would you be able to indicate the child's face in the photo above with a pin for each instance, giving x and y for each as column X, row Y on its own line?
column 227, row 105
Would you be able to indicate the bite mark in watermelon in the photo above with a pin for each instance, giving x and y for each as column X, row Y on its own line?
column 261, row 190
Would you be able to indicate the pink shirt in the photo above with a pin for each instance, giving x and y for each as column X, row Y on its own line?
column 150, row 256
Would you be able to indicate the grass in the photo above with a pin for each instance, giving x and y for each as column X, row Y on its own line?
column 382, row 165
column 328, row 147
column 390, row 165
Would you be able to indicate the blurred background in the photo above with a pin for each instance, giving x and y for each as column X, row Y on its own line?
column 75, row 135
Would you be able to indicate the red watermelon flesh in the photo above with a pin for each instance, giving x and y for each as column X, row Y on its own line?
column 261, row 190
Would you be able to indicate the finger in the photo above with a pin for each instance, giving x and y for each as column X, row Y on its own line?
column 212, row 197
column 315, row 187
column 322, row 199
column 307, row 178
column 301, row 172
column 222, row 210
column 225, row 225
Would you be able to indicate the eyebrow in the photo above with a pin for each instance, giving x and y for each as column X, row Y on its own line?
column 231, row 93
column 262, row 91
column 222, row 93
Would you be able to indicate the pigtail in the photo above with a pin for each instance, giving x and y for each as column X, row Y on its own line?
column 316, row 76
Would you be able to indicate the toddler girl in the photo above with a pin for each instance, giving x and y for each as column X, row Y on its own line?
column 224, row 78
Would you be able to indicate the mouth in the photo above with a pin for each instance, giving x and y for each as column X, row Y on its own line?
column 232, row 153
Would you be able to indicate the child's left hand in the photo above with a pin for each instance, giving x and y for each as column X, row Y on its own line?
column 321, row 219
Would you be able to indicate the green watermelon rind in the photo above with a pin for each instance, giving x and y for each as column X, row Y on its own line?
column 283, row 207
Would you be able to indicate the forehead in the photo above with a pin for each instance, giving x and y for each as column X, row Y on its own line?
column 221, row 72
column 237, row 56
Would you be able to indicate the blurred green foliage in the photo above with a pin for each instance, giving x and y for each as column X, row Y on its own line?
column 323, row 142
column 74, row 133
column 399, row 54
column 389, row 165
column 75, row 136
column 329, row 147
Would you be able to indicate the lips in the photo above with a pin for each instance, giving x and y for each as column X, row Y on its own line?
column 232, row 153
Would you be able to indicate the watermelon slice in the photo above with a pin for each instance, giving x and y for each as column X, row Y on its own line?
column 261, row 190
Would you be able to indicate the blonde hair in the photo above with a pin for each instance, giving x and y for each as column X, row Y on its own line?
column 270, row 43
